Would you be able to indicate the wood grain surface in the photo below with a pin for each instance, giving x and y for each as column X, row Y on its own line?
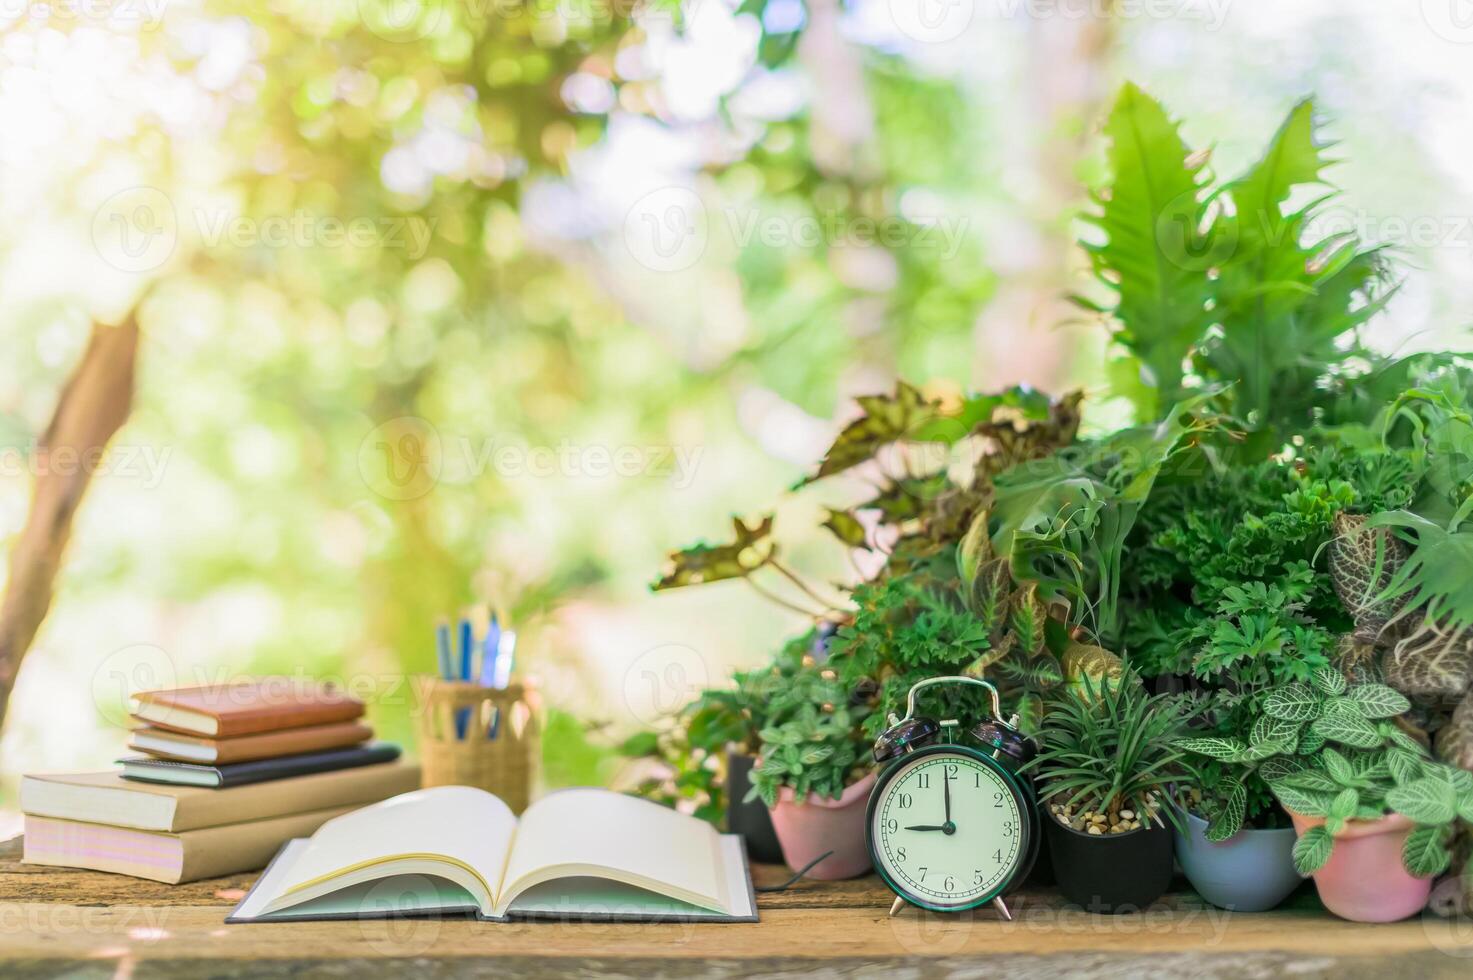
column 56, row 922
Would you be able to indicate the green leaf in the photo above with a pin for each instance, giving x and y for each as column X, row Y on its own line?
column 1337, row 766
column 1292, row 159
column 1328, row 681
column 1424, row 853
column 749, row 550
column 1428, row 800
column 887, row 419
column 1378, row 701
column 988, row 597
column 1150, row 222
column 1224, row 749
column 1342, row 807
column 847, row 528
column 974, row 549
column 1303, row 802
column 1292, row 702
column 1229, row 820
column 1310, row 742
column 1027, row 620
column 1312, row 850
column 1405, row 766
column 1347, row 730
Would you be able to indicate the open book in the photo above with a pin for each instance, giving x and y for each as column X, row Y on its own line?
column 574, row 854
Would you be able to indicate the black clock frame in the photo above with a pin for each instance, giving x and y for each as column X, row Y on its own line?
column 1028, row 827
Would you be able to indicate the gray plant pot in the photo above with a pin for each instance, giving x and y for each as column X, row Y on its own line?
column 1252, row 871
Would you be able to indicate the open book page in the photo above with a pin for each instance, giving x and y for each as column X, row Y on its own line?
column 459, row 832
column 596, row 833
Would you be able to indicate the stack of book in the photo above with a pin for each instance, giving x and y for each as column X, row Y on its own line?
column 232, row 773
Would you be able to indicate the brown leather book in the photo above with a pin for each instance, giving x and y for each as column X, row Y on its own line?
column 228, row 710
column 165, row 744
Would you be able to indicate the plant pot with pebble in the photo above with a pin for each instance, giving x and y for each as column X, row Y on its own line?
column 1107, row 767
column 814, row 776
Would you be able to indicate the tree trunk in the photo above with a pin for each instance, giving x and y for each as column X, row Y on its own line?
column 93, row 405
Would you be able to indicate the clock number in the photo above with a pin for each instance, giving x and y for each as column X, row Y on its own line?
column 977, row 878
column 900, row 854
column 923, row 874
column 904, row 800
column 1007, row 828
column 892, row 825
column 977, row 777
column 996, row 856
column 949, row 884
column 923, row 780
column 952, row 769
column 997, row 798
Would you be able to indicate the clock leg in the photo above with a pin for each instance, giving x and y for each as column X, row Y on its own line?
column 1002, row 907
column 897, row 906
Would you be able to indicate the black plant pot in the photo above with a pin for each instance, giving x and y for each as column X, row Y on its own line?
column 1110, row 873
column 751, row 820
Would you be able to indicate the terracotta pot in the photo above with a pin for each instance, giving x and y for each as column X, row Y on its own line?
column 1364, row 880
column 806, row 830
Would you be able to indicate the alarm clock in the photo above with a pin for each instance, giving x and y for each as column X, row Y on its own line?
column 951, row 824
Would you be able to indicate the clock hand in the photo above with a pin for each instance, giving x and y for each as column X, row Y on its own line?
column 926, row 827
column 946, row 789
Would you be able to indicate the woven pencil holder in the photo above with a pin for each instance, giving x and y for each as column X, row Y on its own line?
column 505, row 764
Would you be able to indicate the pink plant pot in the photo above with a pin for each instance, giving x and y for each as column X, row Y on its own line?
column 806, row 830
column 1364, row 880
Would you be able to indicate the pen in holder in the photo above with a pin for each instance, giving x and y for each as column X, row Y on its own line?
column 487, row 737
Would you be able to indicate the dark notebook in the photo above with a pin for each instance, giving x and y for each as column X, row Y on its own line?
column 257, row 770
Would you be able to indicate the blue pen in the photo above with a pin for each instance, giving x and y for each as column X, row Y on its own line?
column 506, row 652
column 489, row 650
column 442, row 650
column 467, row 643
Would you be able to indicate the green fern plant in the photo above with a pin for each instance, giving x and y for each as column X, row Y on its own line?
column 818, row 749
column 1220, row 275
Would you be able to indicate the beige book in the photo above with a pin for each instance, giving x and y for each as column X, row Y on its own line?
column 108, row 798
column 170, row 858
column 574, row 854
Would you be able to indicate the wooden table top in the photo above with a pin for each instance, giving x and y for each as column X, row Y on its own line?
column 84, row 924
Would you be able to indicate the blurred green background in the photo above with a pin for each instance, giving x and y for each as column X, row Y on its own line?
column 486, row 302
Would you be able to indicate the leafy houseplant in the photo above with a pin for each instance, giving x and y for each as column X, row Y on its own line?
column 1108, row 765
column 814, row 773
column 1354, row 780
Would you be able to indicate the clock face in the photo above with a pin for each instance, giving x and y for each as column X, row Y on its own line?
column 947, row 829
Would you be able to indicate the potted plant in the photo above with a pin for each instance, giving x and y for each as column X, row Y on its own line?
column 1107, row 767
column 1374, row 812
column 814, row 775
